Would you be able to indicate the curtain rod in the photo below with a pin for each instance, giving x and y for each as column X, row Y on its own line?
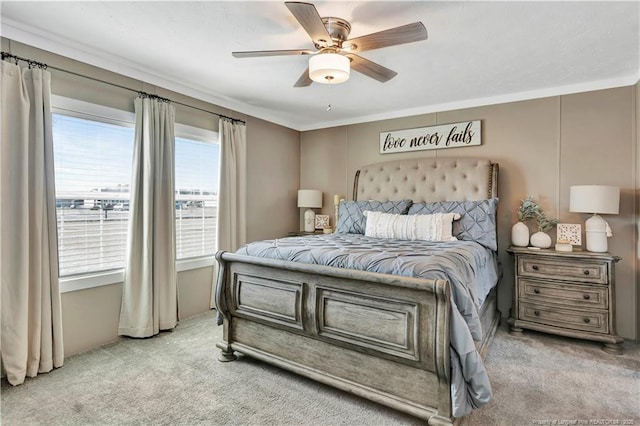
column 36, row 64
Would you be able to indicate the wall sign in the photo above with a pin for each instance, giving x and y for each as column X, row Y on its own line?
column 433, row 137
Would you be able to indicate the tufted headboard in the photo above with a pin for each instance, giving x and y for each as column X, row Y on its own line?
column 427, row 180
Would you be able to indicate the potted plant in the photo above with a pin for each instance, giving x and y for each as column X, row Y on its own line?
column 528, row 209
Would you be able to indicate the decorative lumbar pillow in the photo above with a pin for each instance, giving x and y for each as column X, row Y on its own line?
column 477, row 221
column 435, row 227
column 351, row 219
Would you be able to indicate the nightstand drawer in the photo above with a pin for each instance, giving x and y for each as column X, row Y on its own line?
column 589, row 272
column 595, row 322
column 585, row 296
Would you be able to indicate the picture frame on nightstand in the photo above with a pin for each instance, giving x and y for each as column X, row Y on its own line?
column 322, row 221
column 569, row 232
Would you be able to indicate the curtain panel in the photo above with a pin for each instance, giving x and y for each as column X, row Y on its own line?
column 31, row 328
column 150, row 296
column 231, row 223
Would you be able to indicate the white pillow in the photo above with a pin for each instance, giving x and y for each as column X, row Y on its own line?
column 426, row 227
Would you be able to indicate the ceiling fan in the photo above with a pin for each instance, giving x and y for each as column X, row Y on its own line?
column 335, row 54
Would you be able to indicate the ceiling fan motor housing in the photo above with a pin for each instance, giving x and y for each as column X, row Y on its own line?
column 338, row 30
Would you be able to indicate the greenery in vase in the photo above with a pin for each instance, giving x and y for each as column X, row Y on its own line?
column 544, row 223
column 528, row 209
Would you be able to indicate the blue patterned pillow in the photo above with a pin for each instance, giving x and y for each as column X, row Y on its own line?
column 351, row 220
column 477, row 219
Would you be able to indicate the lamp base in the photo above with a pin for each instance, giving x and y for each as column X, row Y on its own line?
column 309, row 221
column 597, row 230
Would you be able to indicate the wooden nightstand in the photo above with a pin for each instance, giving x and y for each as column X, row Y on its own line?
column 303, row 233
column 566, row 293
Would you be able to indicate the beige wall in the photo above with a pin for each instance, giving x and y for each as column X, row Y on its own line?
column 324, row 167
column 273, row 161
column 90, row 317
column 543, row 146
column 637, row 211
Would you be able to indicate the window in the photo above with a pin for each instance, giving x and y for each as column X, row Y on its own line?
column 196, row 184
column 93, row 154
column 92, row 158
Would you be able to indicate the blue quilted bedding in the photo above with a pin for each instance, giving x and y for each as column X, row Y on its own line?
column 471, row 269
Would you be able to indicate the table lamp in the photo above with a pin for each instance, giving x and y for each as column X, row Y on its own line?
column 595, row 199
column 309, row 199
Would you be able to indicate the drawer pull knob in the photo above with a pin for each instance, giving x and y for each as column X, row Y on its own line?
column 586, row 272
column 534, row 267
column 536, row 290
column 536, row 313
column 586, row 297
column 587, row 320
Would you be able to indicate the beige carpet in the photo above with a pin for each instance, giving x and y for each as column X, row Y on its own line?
column 175, row 379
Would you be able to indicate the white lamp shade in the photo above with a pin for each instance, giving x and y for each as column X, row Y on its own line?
column 329, row 68
column 310, row 198
column 594, row 199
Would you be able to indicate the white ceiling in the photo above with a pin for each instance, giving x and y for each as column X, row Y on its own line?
column 477, row 53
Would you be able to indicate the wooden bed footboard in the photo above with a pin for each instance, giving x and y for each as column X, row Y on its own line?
column 382, row 337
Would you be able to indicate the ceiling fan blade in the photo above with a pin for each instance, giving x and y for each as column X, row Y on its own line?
column 308, row 17
column 371, row 69
column 304, row 80
column 391, row 37
column 258, row 53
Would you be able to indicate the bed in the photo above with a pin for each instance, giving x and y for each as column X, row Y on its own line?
column 400, row 322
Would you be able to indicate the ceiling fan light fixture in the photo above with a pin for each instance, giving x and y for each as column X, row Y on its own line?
column 329, row 68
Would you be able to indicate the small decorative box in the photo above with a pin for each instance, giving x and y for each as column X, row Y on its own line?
column 563, row 245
